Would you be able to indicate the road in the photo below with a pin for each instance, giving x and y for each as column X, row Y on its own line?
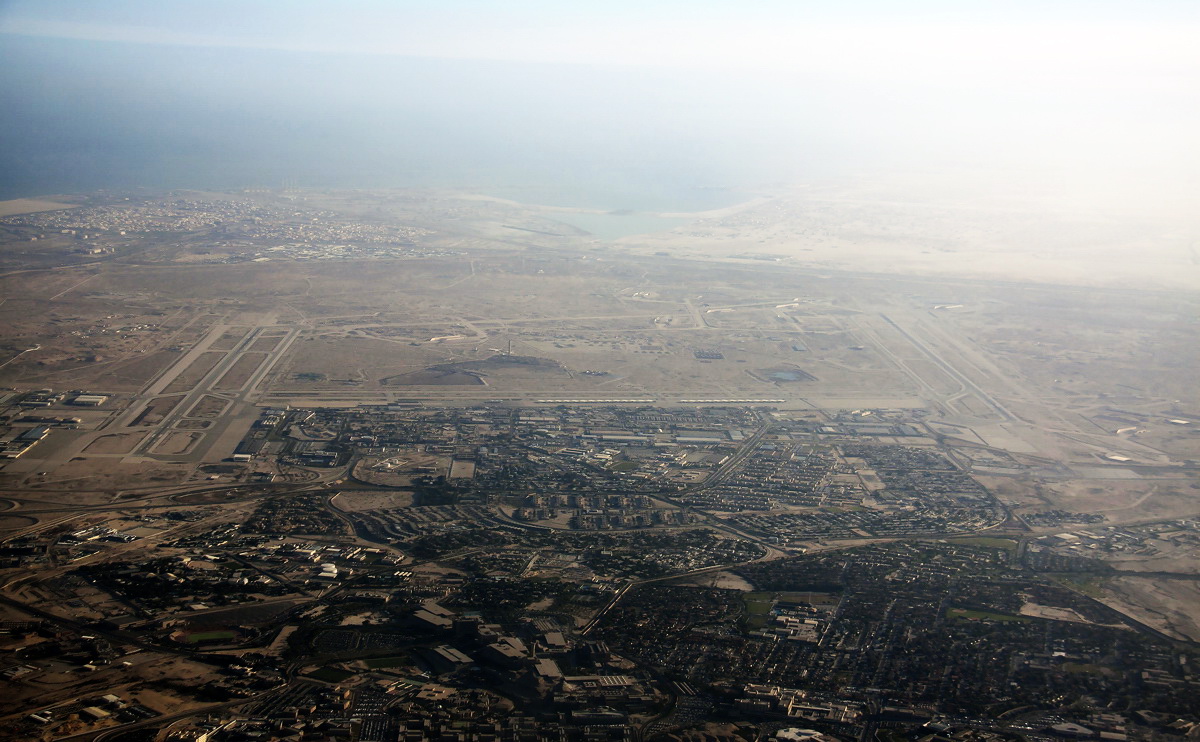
column 222, row 432
column 97, row 735
column 91, row 629
column 27, row 350
column 951, row 371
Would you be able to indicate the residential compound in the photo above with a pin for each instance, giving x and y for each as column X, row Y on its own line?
column 587, row 572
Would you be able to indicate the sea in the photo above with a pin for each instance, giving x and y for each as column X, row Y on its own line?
column 83, row 116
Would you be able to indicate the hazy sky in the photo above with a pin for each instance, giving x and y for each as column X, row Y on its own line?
column 955, row 38
column 707, row 93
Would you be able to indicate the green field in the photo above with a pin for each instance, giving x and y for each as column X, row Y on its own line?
column 988, row 542
column 758, row 605
column 758, row 602
column 1080, row 668
column 969, row 615
column 210, row 636
column 812, row 598
column 1089, row 585
column 381, row 663
column 330, row 674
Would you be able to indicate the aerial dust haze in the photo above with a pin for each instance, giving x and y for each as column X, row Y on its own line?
column 1097, row 110
column 652, row 370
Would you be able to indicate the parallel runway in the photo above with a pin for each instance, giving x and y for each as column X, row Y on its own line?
column 239, row 407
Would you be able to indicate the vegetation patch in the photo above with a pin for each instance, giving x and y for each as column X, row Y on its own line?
column 758, row 608
column 987, row 542
column 330, row 674
column 1093, row 587
column 382, row 663
column 198, row 637
column 964, row 614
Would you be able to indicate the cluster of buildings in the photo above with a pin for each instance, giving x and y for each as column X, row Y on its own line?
column 237, row 227
column 523, row 596
column 774, row 475
column 105, row 708
column 615, row 468
column 1180, row 537
column 22, row 441
column 21, row 430
column 797, row 703
column 794, row 620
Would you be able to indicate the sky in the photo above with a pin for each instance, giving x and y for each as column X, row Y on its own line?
column 701, row 94
column 874, row 38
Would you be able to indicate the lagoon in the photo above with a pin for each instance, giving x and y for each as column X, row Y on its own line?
column 617, row 224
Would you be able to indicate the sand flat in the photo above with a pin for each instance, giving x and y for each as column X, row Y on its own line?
column 17, row 206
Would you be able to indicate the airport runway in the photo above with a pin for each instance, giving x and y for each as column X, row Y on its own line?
column 238, row 414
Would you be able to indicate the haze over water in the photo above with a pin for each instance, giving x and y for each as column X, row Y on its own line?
column 86, row 115
column 667, row 108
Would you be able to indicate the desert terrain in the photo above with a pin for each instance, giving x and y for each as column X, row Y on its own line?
column 1061, row 379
